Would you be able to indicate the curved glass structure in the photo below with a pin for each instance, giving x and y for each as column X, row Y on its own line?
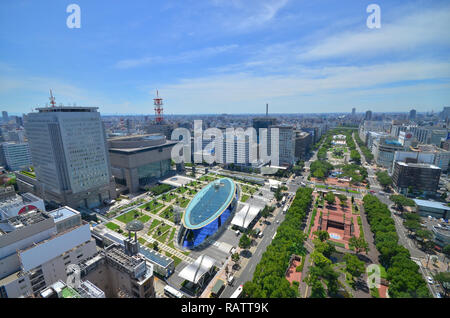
column 208, row 210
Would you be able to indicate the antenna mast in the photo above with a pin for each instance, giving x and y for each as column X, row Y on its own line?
column 52, row 99
column 159, row 110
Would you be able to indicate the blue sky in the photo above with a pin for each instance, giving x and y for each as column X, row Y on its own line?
column 226, row 56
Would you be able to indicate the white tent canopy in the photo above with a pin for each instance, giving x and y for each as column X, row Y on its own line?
column 245, row 216
column 195, row 271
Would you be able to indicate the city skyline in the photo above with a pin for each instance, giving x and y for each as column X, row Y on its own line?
column 215, row 57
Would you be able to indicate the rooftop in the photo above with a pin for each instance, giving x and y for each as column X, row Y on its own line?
column 417, row 165
column 431, row 204
column 209, row 203
column 63, row 213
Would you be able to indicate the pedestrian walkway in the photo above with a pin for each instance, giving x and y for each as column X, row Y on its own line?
column 169, row 249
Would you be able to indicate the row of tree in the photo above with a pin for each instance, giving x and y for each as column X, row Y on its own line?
column 269, row 276
column 402, row 273
column 366, row 151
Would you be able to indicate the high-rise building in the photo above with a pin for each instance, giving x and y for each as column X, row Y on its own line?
column 16, row 155
column 5, row 116
column 368, row 115
column 446, row 113
column 417, row 177
column 286, row 144
column 70, row 156
column 353, row 112
column 263, row 122
column 303, row 142
column 412, row 114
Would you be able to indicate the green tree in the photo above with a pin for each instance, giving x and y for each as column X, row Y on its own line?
column 359, row 243
column 443, row 278
column 330, row 197
column 384, row 179
column 322, row 235
column 353, row 265
column 245, row 241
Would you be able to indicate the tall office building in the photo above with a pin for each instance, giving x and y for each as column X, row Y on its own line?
column 5, row 116
column 70, row 156
column 412, row 114
column 353, row 112
column 368, row 115
column 16, row 155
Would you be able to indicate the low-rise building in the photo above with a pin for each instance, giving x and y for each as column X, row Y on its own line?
column 37, row 248
column 431, row 208
column 137, row 161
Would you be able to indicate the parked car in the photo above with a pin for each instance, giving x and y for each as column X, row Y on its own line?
column 438, row 295
column 430, row 280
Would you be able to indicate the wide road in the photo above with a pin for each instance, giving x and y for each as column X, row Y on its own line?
column 247, row 273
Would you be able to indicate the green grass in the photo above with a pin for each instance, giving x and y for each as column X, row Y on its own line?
column 152, row 205
column 112, row 226
column 128, row 217
column 337, row 243
column 142, row 241
column 311, row 224
column 176, row 260
column 183, row 202
column 163, row 237
column 154, row 224
column 144, row 219
column 28, row 174
column 245, row 197
column 181, row 190
column 172, row 235
column 168, row 197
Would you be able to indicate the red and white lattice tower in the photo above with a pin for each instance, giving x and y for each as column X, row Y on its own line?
column 158, row 102
column 52, row 99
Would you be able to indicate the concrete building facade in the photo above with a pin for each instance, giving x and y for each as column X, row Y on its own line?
column 138, row 161
column 70, row 157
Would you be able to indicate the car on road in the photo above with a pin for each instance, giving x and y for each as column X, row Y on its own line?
column 238, row 232
column 278, row 221
column 438, row 295
column 430, row 280
column 96, row 210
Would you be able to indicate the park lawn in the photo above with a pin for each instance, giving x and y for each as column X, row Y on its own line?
column 151, row 205
column 172, row 234
column 181, row 190
column 142, row 241
column 168, row 197
column 154, row 224
column 128, row 217
column 163, row 237
column 144, row 219
column 112, row 226
column 183, row 202
column 353, row 191
column 321, row 186
column 245, row 197
column 163, row 228
column 167, row 213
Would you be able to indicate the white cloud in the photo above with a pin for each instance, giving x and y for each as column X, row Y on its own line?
column 429, row 27
column 180, row 58
column 244, row 88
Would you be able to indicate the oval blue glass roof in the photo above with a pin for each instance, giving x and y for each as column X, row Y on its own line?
column 209, row 203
